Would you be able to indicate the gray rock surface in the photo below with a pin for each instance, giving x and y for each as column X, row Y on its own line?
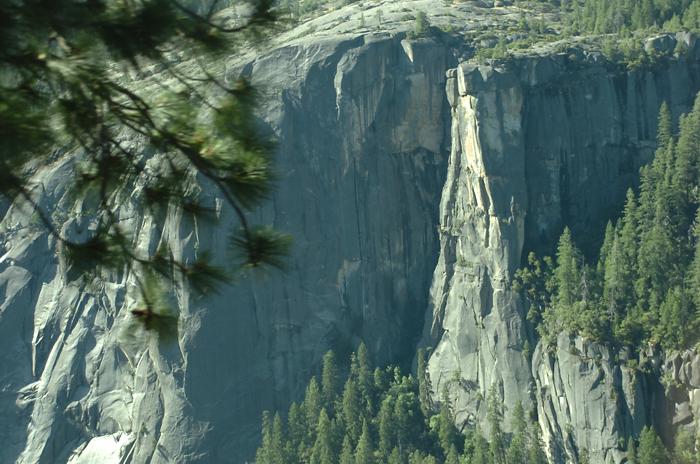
column 362, row 147
column 538, row 143
column 367, row 140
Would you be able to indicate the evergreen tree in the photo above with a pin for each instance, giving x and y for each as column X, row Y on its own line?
column 296, row 427
column 536, row 449
column 352, row 410
column 324, row 450
column 664, row 132
column 567, row 281
column 444, row 426
column 313, row 403
column 346, row 454
column 394, row 457
column 387, row 428
column 365, row 379
column 364, row 452
column 651, row 449
column 631, row 451
column 329, row 380
column 495, row 418
column 517, row 450
column 264, row 452
column 481, row 450
column 684, row 448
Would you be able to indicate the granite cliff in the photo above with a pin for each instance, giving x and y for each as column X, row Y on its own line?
column 538, row 143
column 372, row 127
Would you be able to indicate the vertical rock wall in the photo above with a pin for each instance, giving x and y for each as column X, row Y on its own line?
column 537, row 144
column 362, row 147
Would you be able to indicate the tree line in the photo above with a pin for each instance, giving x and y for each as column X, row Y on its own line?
column 372, row 416
column 644, row 286
column 375, row 416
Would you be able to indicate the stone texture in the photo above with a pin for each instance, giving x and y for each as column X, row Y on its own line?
column 539, row 143
column 362, row 147
column 364, row 132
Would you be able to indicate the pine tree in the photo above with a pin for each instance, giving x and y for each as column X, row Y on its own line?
column 495, row 418
column 444, row 425
column 394, row 457
column 352, row 410
column 313, row 403
column 651, row 449
column 296, row 427
column 631, row 451
column 264, row 452
column 536, row 449
column 452, row 456
column 365, row 378
column 324, row 450
column 684, row 448
column 346, row 453
column 364, row 452
column 517, row 450
column 664, row 132
column 567, row 277
column 329, row 380
column 387, row 427
column 481, row 450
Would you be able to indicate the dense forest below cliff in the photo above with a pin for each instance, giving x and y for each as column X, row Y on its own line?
column 375, row 416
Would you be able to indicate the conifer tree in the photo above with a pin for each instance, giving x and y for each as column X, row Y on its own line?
column 567, row 278
column 684, row 448
column 263, row 453
column 495, row 419
column 536, row 448
column 313, row 403
column 631, row 451
column 365, row 378
column 444, row 425
column 329, row 380
column 394, row 457
column 386, row 426
column 481, row 453
column 364, row 452
column 517, row 450
column 296, row 427
column 324, row 450
column 664, row 131
column 651, row 449
column 352, row 410
column 346, row 454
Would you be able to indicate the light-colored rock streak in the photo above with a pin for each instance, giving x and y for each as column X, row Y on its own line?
column 477, row 323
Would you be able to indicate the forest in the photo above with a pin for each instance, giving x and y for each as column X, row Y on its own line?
column 375, row 416
column 643, row 287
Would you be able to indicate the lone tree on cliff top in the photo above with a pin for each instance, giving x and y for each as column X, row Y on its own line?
column 72, row 87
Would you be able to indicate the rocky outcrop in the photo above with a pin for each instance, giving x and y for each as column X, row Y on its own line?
column 537, row 143
column 588, row 399
column 361, row 152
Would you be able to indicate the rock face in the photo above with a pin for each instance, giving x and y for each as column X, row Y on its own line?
column 362, row 148
column 365, row 132
column 537, row 144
